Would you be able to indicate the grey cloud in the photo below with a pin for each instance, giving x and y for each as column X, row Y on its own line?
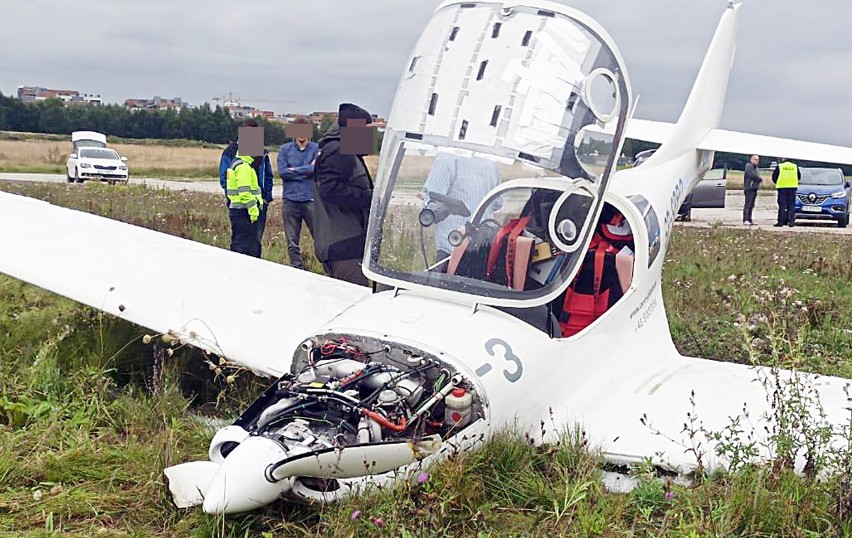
column 313, row 54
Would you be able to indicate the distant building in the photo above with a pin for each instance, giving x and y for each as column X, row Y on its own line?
column 317, row 117
column 32, row 94
column 239, row 111
column 157, row 103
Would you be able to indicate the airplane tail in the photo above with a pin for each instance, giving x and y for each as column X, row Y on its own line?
column 703, row 110
column 698, row 125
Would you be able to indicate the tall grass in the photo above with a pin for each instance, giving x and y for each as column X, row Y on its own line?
column 83, row 439
column 179, row 159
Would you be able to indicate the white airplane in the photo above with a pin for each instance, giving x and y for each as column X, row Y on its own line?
column 373, row 386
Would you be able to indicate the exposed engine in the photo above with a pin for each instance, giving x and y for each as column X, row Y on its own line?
column 350, row 392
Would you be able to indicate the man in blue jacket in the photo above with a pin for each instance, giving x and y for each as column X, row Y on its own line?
column 296, row 167
column 263, row 168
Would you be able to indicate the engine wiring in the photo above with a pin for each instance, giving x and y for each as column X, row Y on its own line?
column 341, row 395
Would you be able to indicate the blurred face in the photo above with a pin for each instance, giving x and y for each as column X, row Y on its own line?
column 755, row 159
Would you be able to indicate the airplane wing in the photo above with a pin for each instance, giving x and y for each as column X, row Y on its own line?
column 250, row 311
column 745, row 143
column 705, row 396
column 734, row 142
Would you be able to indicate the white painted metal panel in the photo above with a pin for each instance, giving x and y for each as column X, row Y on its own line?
column 248, row 310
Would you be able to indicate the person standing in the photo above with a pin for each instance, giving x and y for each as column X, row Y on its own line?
column 786, row 178
column 296, row 161
column 343, row 191
column 262, row 167
column 751, row 184
column 244, row 205
column 467, row 179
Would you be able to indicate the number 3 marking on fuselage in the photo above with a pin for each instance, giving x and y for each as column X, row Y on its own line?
column 508, row 354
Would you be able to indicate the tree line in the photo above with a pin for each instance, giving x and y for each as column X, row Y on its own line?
column 214, row 125
column 201, row 123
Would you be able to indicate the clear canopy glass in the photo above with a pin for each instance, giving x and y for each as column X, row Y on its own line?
column 504, row 131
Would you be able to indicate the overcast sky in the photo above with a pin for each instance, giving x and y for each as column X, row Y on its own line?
column 792, row 76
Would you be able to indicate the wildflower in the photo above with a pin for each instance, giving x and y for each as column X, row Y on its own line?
column 669, row 495
column 422, row 477
column 379, row 522
column 355, row 515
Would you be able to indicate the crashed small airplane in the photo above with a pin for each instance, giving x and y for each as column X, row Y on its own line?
column 527, row 290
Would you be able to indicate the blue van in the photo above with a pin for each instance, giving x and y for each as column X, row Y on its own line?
column 823, row 193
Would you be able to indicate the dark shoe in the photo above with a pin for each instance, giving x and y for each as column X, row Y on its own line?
column 778, row 225
column 790, row 225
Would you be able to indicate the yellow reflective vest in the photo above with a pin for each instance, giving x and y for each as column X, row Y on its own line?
column 242, row 188
column 788, row 176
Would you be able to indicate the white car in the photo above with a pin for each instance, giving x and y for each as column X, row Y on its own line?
column 96, row 163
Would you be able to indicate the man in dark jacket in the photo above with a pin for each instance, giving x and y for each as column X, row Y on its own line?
column 343, row 191
column 263, row 168
column 751, row 183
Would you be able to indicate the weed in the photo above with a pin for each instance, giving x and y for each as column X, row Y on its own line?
column 79, row 425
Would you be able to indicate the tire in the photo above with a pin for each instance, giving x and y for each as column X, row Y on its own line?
column 843, row 221
column 77, row 177
column 68, row 177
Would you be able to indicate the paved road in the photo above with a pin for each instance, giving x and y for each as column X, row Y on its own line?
column 765, row 213
column 731, row 216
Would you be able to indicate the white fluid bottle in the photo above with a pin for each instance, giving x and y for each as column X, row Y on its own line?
column 458, row 406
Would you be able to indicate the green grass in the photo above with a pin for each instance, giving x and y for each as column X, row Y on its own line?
column 83, row 441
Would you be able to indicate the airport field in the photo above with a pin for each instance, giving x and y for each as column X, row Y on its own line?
column 165, row 159
column 84, row 439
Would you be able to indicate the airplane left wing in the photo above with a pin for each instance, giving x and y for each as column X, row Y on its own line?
column 249, row 311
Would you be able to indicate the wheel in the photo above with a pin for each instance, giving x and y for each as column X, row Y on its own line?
column 77, row 177
column 843, row 221
column 68, row 177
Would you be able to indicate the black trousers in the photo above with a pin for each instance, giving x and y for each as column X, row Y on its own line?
column 294, row 214
column 786, row 206
column 244, row 234
column 442, row 255
column 348, row 270
column 260, row 227
column 748, row 208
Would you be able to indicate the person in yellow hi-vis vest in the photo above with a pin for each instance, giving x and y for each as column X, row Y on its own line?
column 786, row 178
column 244, row 205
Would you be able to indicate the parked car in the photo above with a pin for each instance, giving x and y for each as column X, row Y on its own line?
column 97, row 163
column 708, row 193
column 87, row 139
column 91, row 159
column 823, row 194
column 642, row 156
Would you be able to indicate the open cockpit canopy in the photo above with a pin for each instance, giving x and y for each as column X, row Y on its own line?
column 507, row 122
